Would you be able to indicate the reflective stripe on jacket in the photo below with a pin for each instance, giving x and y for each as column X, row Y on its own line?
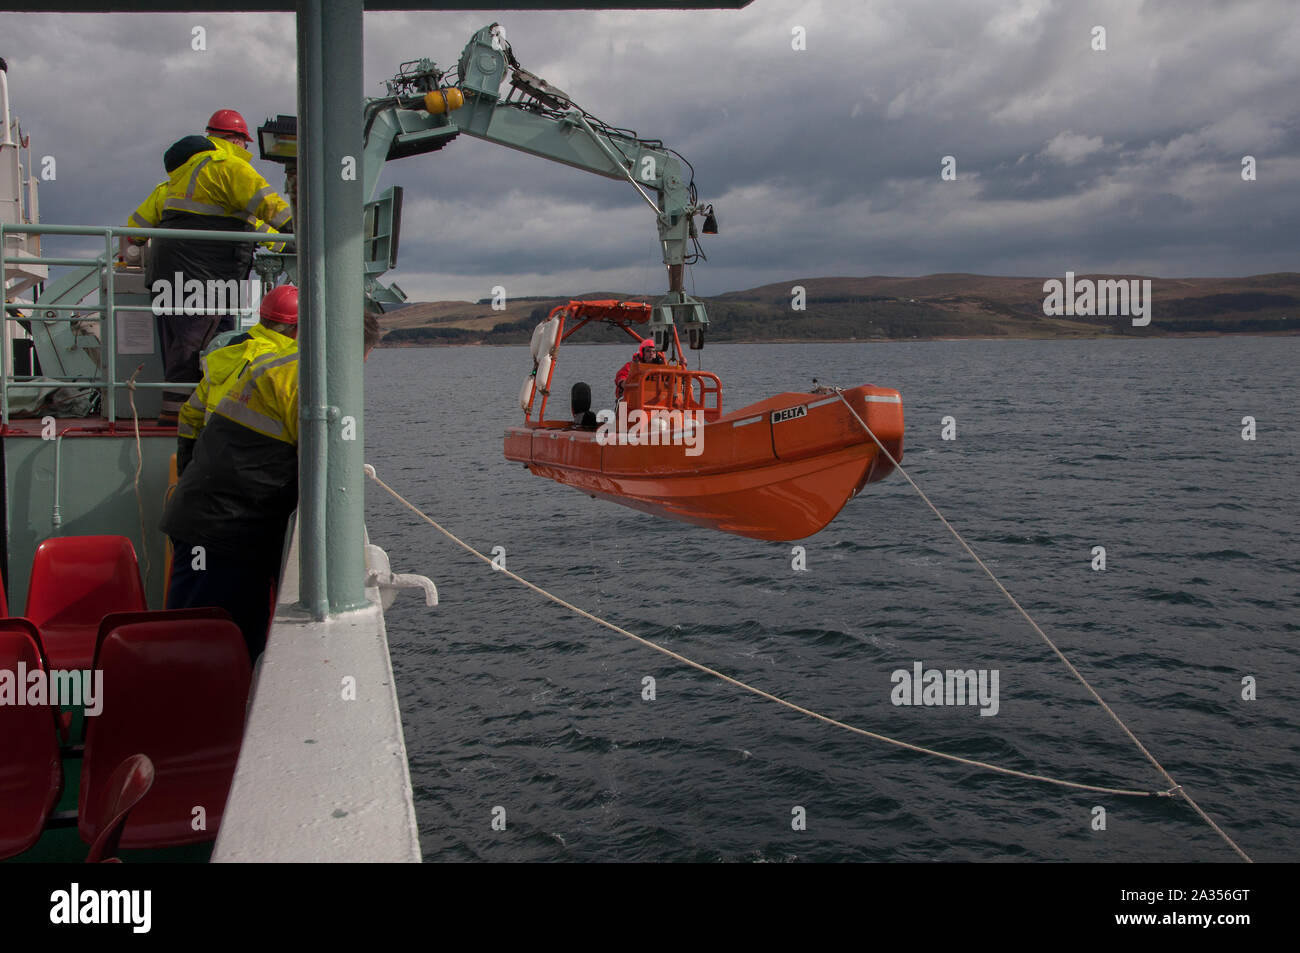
column 149, row 215
column 221, row 370
column 175, row 191
column 150, row 211
column 265, row 397
column 221, row 182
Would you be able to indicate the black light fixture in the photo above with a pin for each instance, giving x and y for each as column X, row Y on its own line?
column 710, row 222
column 278, row 139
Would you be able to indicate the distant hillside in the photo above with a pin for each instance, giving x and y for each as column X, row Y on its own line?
column 883, row 308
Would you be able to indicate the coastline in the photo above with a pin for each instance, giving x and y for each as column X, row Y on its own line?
column 1166, row 335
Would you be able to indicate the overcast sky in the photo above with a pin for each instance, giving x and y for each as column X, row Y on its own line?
column 820, row 162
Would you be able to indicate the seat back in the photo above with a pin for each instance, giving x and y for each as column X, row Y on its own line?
column 175, row 690
column 127, row 786
column 19, row 624
column 31, row 772
column 76, row 580
column 62, row 719
column 114, row 619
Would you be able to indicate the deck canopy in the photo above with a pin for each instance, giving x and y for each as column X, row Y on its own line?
column 290, row 6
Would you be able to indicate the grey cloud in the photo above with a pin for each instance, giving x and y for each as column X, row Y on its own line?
column 823, row 161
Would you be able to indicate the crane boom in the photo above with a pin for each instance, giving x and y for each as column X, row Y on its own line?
column 424, row 112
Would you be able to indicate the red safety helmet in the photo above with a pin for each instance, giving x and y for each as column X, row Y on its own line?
column 227, row 120
column 280, row 304
column 647, row 345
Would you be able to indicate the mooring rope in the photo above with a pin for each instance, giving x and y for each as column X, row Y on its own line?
column 370, row 471
column 1174, row 786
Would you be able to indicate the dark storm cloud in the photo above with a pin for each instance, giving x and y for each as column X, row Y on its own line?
column 821, row 162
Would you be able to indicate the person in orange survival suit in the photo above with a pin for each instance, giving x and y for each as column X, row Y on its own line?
column 645, row 354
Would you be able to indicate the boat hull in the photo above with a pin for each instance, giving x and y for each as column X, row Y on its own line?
column 779, row 470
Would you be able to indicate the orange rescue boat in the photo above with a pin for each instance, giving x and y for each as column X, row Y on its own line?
column 780, row 469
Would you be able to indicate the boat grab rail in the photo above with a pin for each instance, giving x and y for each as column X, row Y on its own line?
column 655, row 387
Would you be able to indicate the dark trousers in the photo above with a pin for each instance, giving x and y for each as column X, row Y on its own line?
column 242, row 585
column 182, row 337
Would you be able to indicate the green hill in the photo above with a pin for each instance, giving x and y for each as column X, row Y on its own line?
column 886, row 308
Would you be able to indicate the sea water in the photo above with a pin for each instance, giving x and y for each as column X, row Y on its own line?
column 534, row 734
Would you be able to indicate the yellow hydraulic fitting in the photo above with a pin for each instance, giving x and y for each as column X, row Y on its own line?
column 439, row 101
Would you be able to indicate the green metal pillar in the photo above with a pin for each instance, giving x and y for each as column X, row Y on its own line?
column 330, row 144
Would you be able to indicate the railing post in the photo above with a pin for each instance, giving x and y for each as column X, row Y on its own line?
column 5, row 354
column 108, row 329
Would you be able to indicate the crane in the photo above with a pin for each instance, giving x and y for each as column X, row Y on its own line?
column 427, row 108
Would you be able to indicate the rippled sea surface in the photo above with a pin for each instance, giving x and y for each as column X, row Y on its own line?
column 1135, row 445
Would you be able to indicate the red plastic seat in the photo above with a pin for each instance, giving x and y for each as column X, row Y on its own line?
column 31, row 772
column 114, row 619
column 175, row 690
column 62, row 719
column 76, row 581
column 127, row 786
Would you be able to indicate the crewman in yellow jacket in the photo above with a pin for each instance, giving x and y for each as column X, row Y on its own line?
column 228, row 517
column 149, row 213
column 276, row 333
column 210, row 186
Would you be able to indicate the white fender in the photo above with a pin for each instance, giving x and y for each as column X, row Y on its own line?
column 526, row 393
column 550, row 331
column 536, row 339
column 543, row 370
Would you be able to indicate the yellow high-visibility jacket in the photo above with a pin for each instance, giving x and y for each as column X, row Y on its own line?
column 217, row 182
column 221, row 182
column 221, row 370
column 149, row 214
column 236, row 496
column 265, row 397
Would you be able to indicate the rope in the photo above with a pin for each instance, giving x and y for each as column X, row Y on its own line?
column 370, row 471
column 139, row 467
column 1174, row 787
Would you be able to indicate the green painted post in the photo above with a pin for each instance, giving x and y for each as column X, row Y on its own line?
column 331, row 500
column 343, row 144
column 313, row 304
